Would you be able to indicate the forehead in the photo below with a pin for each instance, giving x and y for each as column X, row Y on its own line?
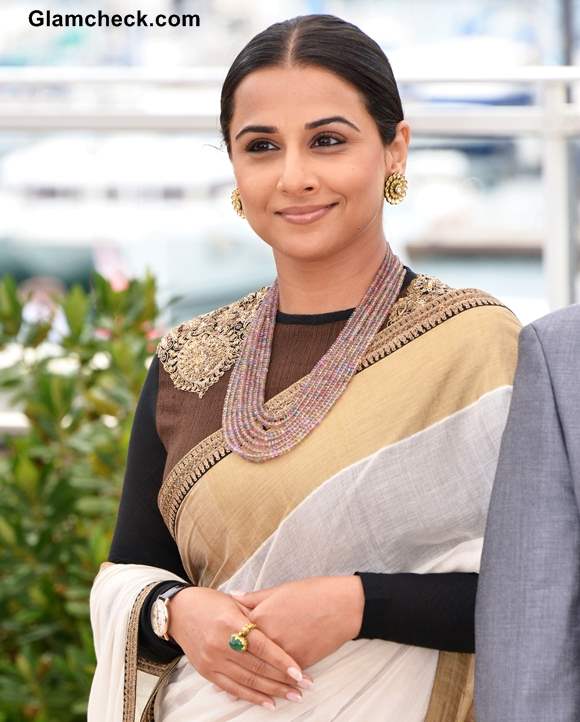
column 300, row 94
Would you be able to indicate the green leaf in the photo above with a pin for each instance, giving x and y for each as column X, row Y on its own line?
column 36, row 334
column 7, row 533
column 10, row 307
column 76, row 307
column 27, row 476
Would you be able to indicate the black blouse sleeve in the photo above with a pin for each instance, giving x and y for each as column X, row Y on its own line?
column 141, row 536
column 425, row 610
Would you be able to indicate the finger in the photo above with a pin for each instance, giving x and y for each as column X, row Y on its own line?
column 265, row 648
column 251, row 599
column 231, row 697
column 238, row 690
column 246, row 678
column 260, row 667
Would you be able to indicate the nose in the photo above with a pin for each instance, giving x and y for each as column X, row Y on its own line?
column 297, row 174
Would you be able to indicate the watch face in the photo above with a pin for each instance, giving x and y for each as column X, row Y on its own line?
column 159, row 617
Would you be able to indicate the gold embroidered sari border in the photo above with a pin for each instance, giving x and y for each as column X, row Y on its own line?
column 452, row 695
column 134, row 662
column 148, row 713
column 428, row 303
column 131, row 655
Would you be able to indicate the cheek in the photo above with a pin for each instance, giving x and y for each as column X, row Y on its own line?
column 257, row 187
column 364, row 198
column 363, row 180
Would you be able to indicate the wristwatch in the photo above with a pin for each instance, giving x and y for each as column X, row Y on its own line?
column 160, row 611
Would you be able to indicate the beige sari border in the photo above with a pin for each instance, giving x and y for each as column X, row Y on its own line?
column 132, row 657
column 453, row 689
column 148, row 713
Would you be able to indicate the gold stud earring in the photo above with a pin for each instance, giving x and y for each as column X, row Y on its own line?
column 395, row 188
column 237, row 203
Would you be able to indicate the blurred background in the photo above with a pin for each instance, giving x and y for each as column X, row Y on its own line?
column 110, row 156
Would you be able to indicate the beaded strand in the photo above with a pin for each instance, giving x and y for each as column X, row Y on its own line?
column 256, row 433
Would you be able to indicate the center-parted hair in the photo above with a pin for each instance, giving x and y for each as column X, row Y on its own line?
column 328, row 42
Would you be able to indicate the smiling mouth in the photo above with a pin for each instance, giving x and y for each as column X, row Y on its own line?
column 302, row 218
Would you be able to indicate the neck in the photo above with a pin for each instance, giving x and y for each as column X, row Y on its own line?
column 328, row 284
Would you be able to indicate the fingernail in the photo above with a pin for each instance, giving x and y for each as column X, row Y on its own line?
column 294, row 696
column 295, row 673
column 305, row 683
column 269, row 705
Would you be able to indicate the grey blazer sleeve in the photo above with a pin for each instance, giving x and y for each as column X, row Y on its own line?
column 527, row 635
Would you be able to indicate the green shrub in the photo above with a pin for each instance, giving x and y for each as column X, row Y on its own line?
column 60, row 482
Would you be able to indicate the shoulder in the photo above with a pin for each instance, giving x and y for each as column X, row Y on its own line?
column 557, row 337
column 197, row 352
column 429, row 302
column 563, row 322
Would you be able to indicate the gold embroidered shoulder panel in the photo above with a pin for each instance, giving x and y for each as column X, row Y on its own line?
column 198, row 352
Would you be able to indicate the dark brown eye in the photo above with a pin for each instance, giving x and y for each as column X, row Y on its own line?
column 253, row 147
column 326, row 136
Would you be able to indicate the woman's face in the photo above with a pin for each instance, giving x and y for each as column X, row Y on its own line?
column 279, row 161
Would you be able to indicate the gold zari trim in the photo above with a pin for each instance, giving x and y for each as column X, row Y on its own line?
column 151, row 667
column 428, row 303
column 133, row 661
column 453, row 689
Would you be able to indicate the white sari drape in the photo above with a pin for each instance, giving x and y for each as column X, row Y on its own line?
column 365, row 680
column 119, row 691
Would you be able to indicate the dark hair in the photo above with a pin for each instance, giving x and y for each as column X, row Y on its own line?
column 328, row 42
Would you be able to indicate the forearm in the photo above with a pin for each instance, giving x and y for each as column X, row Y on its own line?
column 423, row 610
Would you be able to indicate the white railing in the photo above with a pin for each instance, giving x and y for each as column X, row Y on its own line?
column 552, row 119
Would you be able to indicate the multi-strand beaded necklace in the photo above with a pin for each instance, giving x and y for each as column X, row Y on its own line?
column 253, row 431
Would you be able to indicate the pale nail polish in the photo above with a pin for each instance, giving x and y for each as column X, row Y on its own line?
column 294, row 696
column 305, row 683
column 295, row 673
column 269, row 705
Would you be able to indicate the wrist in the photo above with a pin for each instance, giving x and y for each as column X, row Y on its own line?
column 174, row 608
column 358, row 605
column 160, row 612
column 350, row 605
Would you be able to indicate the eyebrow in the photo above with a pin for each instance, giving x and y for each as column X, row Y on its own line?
column 307, row 126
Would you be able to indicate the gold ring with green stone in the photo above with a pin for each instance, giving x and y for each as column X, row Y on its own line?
column 239, row 641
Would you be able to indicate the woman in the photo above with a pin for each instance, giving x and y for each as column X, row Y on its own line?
column 325, row 444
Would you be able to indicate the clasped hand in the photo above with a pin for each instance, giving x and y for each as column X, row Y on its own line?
column 298, row 623
column 309, row 618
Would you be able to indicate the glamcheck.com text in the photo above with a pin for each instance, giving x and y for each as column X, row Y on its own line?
column 139, row 19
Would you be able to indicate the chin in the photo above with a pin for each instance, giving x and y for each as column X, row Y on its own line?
column 306, row 249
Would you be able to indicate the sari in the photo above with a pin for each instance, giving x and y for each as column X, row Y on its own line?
column 397, row 477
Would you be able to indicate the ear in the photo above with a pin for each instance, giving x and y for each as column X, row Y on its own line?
column 396, row 151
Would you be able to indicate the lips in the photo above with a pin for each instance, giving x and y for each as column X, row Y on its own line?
column 305, row 214
column 296, row 210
